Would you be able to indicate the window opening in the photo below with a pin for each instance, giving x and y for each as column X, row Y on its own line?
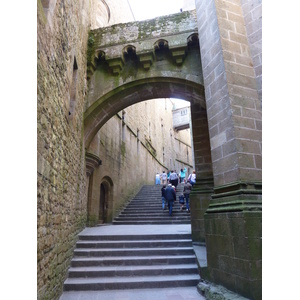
column 73, row 88
column 123, row 126
column 138, row 141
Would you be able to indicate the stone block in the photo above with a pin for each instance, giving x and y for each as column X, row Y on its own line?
column 251, row 289
column 224, row 278
column 250, row 174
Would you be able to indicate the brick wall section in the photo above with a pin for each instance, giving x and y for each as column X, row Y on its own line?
column 234, row 248
column 233, row 106
column 252, row 10
column 202, row 154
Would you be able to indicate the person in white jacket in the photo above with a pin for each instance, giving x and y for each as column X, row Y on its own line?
column 192, row 178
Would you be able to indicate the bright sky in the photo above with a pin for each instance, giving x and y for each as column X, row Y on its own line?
column 143, row 10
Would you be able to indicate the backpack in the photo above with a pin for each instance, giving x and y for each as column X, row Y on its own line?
column 181, row 199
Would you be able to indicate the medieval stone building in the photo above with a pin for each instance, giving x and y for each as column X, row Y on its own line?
column 101, row 136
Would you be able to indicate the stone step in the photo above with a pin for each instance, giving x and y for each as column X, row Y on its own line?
column 152, row 222
column 161, row 213
column 153, row 218
column 133, row 244
column 135, row 282
column 162, row 221
column 153, row 270
column 151, row 207
column 133, row 260
column 88, row 252
column 136, row 237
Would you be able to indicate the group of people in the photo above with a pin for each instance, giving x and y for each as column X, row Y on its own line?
column 168, row 196
column 171, row 177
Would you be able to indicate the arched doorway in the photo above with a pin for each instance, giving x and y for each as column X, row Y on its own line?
column 103, row 203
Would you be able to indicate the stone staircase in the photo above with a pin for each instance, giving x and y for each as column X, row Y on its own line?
column 136, row 256
column 146, row 208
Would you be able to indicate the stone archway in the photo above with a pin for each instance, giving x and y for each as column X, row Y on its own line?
column 121, row 97
column 136, row 91
column 163, row 62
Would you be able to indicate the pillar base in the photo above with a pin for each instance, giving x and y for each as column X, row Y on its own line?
column 233, row 231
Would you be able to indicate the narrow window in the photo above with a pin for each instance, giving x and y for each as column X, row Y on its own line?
column 123, row 126
column 73, row 89
column 138, row 141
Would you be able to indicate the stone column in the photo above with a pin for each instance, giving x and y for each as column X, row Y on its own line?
column 92, row 166
column 203, row 189
column 233, row 219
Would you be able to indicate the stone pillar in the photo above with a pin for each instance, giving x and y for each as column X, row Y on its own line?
column 203, row 189
column 233, row 219
column 92, row 164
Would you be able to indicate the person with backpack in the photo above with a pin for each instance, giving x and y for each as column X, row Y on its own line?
column 163, row 198
column 192, row 178
column 170, row 196
column 174, row 178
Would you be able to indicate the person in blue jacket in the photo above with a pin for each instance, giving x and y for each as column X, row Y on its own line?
column 170, row 196
column 157, row 178
column 163, row 199
column 182, row 174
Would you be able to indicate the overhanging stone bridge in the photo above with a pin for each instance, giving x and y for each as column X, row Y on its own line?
column 137, row 61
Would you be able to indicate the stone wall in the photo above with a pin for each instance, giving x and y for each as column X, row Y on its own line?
column 252, row 11
column 62, row 183
column 61, row 179
column 233, row 105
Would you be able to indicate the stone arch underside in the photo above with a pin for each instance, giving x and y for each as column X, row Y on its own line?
column 136, row 91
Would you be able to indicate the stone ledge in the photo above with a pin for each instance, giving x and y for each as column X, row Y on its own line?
column 217, row 292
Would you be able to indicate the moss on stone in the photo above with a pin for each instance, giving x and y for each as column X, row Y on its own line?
column 123, row 149
column 92, row 220
column 41, row 13
column 91, row 47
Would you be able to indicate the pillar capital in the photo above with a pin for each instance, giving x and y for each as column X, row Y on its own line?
column 92, row 162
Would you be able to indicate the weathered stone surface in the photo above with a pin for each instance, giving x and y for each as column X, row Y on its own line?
column 60, row 158
column 227, row 145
